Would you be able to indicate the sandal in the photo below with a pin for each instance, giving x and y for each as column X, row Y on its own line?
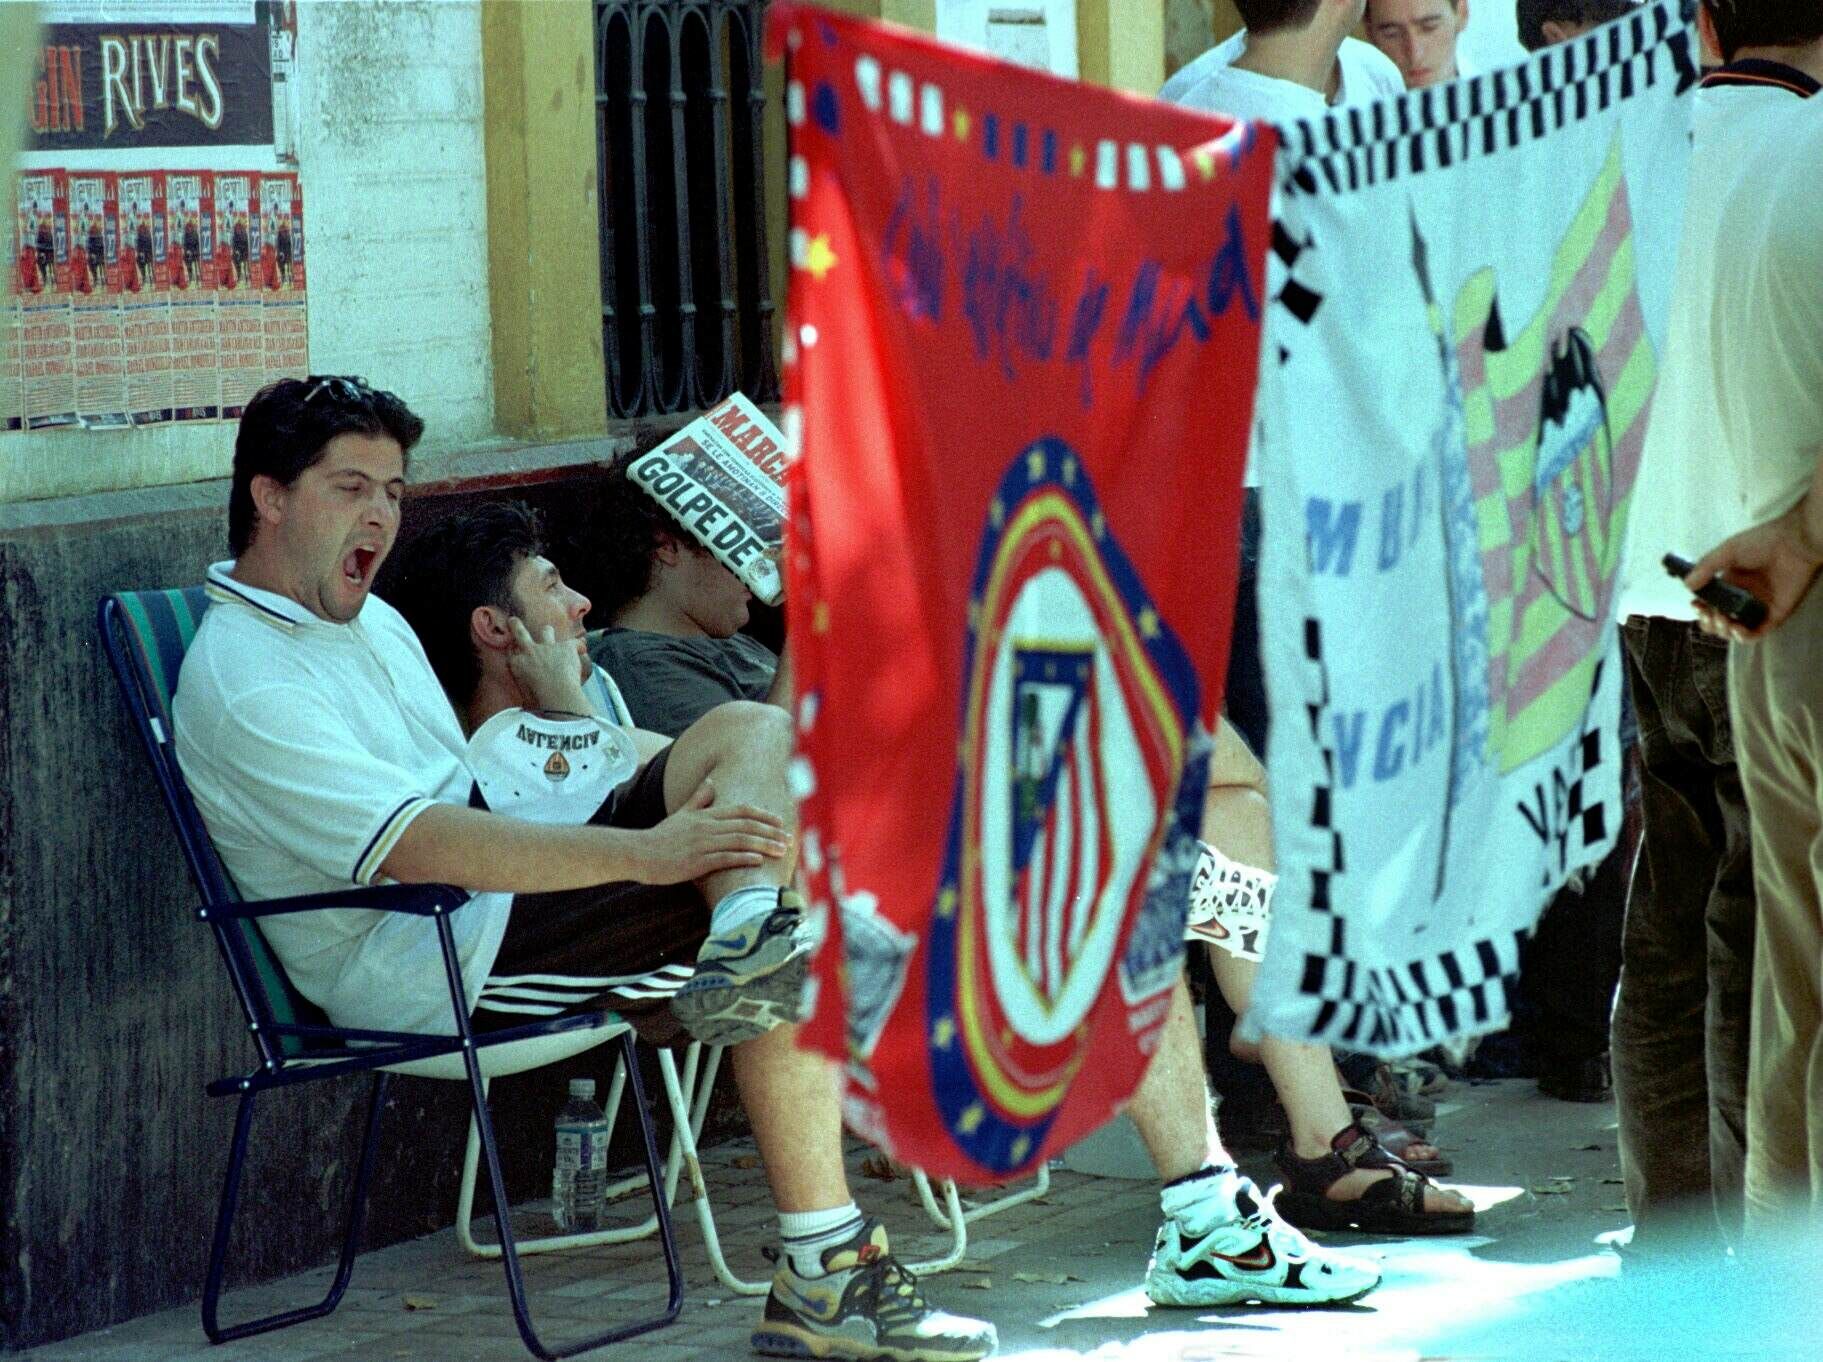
column 1392, row 1205
column 1397, row 1138
column 1394, row 1100
column 1419, row 1077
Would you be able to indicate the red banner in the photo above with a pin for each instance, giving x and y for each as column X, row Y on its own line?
column 1024, row 334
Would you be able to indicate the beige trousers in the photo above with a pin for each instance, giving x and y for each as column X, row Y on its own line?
column 1777, row 691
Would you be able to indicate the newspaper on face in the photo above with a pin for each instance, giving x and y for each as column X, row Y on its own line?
column 722, row 477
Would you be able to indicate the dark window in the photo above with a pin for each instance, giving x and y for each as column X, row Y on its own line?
column 686, row 297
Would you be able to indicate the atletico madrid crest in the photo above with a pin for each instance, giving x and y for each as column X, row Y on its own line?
column 1078, row 706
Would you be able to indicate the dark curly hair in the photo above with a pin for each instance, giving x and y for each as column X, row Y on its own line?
column 287, row 426
column 463, row 561
column 1764, row 23
column 1530, row 16
column 627, row 538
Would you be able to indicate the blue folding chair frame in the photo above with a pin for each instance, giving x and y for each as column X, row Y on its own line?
column 145, row 635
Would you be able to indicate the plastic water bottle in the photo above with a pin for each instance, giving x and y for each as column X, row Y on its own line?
column 581, row 1169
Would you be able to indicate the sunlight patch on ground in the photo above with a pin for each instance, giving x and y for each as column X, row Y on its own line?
column 1486, row 1198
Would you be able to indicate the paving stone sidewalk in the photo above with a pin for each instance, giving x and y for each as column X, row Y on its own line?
column 1060, row 1277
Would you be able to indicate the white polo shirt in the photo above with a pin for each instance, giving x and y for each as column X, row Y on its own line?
column 310, row 747
column 1768, row 324
column 1214, row 84
column 1696, row 459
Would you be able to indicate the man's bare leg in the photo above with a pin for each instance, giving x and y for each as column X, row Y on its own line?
column 1305, row 1078
column 1171, row 1109
column 1238, row 821
column 790, row 1098
column 750, row 972
column 742, row 749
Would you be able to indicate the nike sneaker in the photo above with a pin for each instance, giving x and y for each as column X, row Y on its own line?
column 748, row 979
column 1233, row 1250
column 866, row 1305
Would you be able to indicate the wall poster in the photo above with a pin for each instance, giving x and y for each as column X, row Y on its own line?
column 153, row 280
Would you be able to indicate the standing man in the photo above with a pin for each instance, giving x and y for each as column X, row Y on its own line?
column 1680, row 1026
column 1420, row 37
column 1768, row 323
column 1294, row 59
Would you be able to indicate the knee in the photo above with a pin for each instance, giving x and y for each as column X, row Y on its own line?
column 751, row 728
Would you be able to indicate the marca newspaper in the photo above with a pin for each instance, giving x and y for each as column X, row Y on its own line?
column 722, row 477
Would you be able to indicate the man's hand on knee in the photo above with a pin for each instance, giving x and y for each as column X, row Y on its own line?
column 703, row 837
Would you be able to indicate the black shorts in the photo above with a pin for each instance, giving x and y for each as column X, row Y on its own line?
column 626, row 946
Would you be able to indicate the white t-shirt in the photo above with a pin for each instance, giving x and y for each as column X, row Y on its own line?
column 1689, row 496
column 310, row 747
column 1768, row 324
column 1214, row 84
column 605, row 695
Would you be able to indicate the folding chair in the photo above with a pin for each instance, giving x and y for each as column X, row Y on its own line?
column 145, row 635
column 688, row 1098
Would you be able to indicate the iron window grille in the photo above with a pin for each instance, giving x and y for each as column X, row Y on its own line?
column 686, row 292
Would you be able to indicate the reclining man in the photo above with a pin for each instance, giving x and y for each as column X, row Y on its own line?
column 485, row 565
column 323, row 752
column 674, row 650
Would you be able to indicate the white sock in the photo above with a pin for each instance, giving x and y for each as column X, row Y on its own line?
column 1200, row 1199
column 742, row 905
column 805, row 1235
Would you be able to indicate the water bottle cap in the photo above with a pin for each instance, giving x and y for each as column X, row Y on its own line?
column 583, row 1087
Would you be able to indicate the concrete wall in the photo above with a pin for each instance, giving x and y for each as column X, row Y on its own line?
column 114, row 1010
column 390, row 150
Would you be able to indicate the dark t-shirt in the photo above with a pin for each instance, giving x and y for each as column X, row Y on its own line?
column 670, row 682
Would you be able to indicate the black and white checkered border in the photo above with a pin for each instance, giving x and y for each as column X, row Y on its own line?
column 1590, row 820
column 1365, row 145
column 1402, row 1009
column 1324, row 868
column 1386, row 1009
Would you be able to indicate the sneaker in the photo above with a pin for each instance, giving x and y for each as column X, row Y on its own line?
column 866, row 1305
column 1249, row 1254
column 749, row 979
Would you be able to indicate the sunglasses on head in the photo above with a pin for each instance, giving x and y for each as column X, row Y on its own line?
column 341, row 390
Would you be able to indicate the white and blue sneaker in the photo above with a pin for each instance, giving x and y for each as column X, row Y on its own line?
column 1231, row 1248
column 748, row 979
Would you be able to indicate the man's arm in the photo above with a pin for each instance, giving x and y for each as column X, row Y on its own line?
column 780, row 693
column 1776, row 560
column 481, row 851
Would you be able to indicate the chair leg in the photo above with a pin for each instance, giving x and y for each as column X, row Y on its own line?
column 956, row 1220
column 685, row 1125
column 551, row 1243
column 224, row 1225
column 509, row 1254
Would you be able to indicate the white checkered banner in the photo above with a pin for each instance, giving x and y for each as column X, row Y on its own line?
column 1470, row 288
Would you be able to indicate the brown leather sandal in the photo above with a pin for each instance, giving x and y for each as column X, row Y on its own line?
column 1391, row 1205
